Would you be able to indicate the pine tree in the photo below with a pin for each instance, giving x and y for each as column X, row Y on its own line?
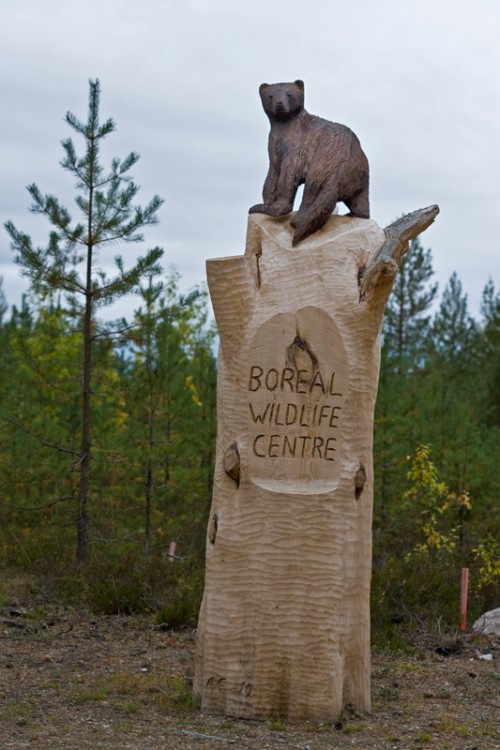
column 171, row 387
column 69, row 265
column 407, row 318
column 453, row 329
column 404, row 352
column 3, row 302
column 490, row 351
column 452, row 376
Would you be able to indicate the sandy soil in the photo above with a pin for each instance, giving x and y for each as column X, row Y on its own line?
column 72, row 681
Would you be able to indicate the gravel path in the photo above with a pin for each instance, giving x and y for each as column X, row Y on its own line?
column 72, row 681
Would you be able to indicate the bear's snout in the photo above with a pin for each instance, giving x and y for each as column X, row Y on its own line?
column 281, row 106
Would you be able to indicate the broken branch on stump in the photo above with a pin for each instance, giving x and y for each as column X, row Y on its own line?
column 385, row 264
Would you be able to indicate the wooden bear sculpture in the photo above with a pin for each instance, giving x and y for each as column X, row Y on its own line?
column 304, row 149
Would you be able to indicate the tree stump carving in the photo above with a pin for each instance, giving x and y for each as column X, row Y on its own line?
column 284, row 626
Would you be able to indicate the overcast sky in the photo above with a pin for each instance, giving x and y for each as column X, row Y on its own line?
column 417, row 82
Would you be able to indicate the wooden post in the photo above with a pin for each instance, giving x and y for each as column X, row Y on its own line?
column 284, row 627
column 464, row 593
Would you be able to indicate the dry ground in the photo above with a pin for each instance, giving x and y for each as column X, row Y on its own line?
column 72, row 681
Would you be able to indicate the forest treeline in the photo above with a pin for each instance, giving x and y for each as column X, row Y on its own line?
column 153, row 417
column 107, row 428
column 436, row 450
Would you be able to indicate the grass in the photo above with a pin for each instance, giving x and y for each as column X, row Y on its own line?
column 423, row 738
column 277, row 725
column 351, row 728
column 175, row 697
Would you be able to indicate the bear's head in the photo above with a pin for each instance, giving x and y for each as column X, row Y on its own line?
column 282, row 100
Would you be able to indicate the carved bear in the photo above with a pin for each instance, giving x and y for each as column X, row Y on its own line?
column 325, row 156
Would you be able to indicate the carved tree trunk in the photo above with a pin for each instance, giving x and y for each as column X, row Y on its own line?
column 284, row 627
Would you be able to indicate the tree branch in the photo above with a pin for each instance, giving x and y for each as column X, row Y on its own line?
column 32, row 508
column 385, row 264
column 43, row 442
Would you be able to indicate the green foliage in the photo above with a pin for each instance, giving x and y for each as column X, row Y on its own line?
column 124, row 584
column 434, row 503
column 182, row 600
column 407, row 321
column 435, row 404
column 487, row 553
column 68, row 264
column 185, row 701
column 170, row 386
column 177, row 386
column 108, row 215
column 152, row 435
column 278, row 725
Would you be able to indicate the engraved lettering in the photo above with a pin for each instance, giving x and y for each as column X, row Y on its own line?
column 260, row 455
column 317, row 382
column 272, row 379
column 330, row 389
column 334, row 416
column 324, row 412
column 296, row 446
column 291, row 414
column 297, row 381
column 280, row 424
column 305, row 439
column 294, row 415
column 301, row 419
column 259, row 417
column 273, row 445
column 256, row 373
column 287, row 377
column 291, row 446
column 300, row 381
column 293, row 438
column 329, row 448
column 318, row 442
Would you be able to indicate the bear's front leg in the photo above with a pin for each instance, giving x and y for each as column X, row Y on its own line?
column 279, row 208
column 268, row 193
column 259, row 208
column 279, row 191
column 286, row 187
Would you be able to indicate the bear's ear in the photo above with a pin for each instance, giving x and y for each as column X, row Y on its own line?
column 300, row 84
column 263, row 87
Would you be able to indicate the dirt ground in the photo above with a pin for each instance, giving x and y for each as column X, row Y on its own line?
column 71, row 681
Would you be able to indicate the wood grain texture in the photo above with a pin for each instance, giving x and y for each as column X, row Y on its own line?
column 284, row 626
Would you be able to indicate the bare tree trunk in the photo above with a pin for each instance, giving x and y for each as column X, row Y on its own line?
column 148, row 533
column 86, row 444
column 284, row 627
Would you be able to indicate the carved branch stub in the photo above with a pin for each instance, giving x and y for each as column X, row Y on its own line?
column 384, row 266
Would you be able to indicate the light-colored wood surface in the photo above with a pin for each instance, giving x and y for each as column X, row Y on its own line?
column 284, row 627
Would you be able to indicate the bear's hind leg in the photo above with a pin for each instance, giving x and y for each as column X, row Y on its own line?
column 311, row 193
column 359, row 206
column 314, row 211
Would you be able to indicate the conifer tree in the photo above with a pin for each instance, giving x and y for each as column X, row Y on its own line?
column 171, row 385
column 69, row 263
column 404, row 350
column 490, row 350
column 3, row 302
column 407, row 318
column 453, row 328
